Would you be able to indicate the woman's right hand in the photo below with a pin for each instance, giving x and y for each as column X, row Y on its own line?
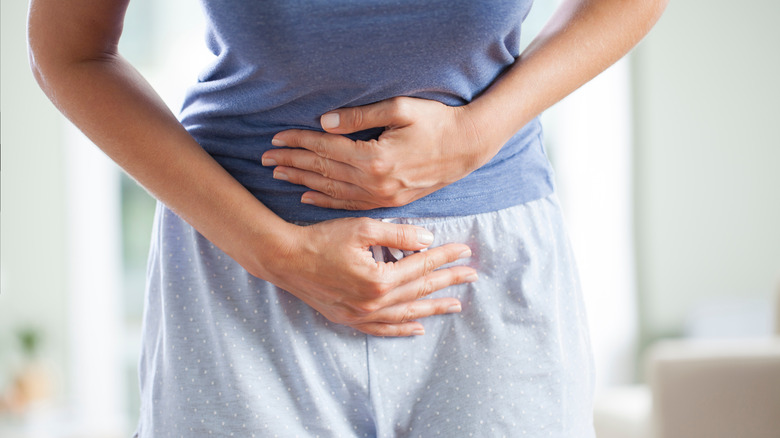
column 73, row 52
column 331, row 268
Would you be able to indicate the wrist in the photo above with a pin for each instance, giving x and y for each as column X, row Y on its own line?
column 272, row 247
column 481, row 145
column 503, row 109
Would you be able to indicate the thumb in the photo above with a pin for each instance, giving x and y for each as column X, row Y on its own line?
column 385, row 113
column 403, row 237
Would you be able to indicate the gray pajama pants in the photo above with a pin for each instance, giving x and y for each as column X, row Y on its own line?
column 227, row 354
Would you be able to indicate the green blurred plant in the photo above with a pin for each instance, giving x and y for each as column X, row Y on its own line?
column 30, row 341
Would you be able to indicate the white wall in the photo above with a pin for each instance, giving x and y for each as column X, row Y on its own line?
column 32, row 206
column 590, row 143
column 707, row 160
column 61, row 261
column 707, row 163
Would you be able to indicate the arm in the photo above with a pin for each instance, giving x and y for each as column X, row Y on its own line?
column 427, row 145
column 73, row 53
column 581, row 40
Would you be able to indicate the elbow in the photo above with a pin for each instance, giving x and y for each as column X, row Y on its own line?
column 35, row 66
column 43, row 69
column 40, row 56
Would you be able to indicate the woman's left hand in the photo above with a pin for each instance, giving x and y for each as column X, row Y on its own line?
column 425, row 146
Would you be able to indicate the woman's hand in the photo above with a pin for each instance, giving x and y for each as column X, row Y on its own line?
column 425, row 146
column 331, row 268
column 328, row 265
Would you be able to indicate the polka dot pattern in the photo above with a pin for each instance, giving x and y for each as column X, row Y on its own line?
column 226, row 354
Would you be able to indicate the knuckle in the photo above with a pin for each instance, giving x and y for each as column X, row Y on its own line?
column 379, row 289
column 320, row 146
column 378, row 166
column 373, row 329
column 426, row 288
column 429, row 264
column 351, row 204
column 357, row 117
column 331, row 189
column 386, row 191
column 320, row 165
column 366, row 329
column 346, row 317
column 366, row 227
column 366, row 308
column 403, row 235
column 372, row 144
column 409, row 314
column 395, row 200
column 398, row 107
column 387, row 330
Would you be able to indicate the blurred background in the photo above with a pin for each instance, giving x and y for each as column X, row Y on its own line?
column 668, row 167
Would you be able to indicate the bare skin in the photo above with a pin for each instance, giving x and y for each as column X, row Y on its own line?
column 73, row 54
column 427, row 145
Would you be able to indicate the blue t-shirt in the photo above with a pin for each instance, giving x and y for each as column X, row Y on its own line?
column 282, row 64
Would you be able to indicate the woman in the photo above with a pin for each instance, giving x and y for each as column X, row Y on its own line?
column 278, row 303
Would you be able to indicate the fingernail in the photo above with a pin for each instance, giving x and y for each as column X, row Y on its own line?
column 424, row 236
column 465, row 254
column 278, row 174
column 454, row 309
column 268, row 161
column 471, row 278
column 330, row 120
column 305, row 200
column 418, row 332
column 278, row 142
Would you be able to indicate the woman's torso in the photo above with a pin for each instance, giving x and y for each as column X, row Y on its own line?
column 281, row 65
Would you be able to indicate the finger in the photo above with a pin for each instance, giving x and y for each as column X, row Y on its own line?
column 386, row 113
column 325, row 201
column 416, row 310
column 391, row 330
column 330, row 146
column 421, row 264
column 405, row 237
column 310, row 161
column 328, row 186
column 433, row 282
column 405, row 303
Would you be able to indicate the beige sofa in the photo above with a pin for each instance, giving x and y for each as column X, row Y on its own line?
column 716, row 389
column 728, row 388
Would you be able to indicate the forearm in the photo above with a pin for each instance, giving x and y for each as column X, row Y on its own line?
column 115, row 107
column 581, row 40
column 328, row 265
